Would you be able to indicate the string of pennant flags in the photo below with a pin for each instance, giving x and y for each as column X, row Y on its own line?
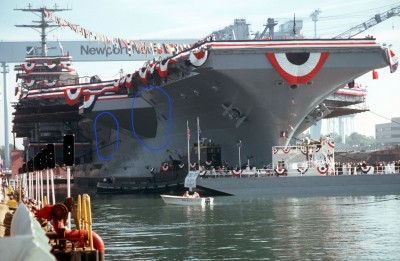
column 132, row 46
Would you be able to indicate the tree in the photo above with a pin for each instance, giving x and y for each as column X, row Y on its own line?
column 336, row 137
column 357, row 139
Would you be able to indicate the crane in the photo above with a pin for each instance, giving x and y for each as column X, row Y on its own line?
column 378, row 18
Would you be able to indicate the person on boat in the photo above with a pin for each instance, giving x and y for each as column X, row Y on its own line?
column 186, row 194
column 196, row 195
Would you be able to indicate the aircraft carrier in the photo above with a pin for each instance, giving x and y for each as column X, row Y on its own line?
column 249, row 94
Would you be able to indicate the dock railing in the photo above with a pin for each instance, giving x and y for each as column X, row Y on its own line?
column 270, row 171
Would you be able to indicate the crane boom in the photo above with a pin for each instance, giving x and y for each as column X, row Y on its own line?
column 378, row 18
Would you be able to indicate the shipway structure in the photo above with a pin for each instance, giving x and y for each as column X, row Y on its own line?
column 262, row 92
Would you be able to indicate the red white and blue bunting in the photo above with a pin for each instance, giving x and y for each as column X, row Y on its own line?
column 198, row 57
column 49, row 83
column 72, row 95
column 302, row 170
column 236, row 173
column 50, row 65
column 68, row 92
column 132, row 46
column 280, row 171
column 193, row 166
column 29, row 82
column 162, row 67
column 297, row 73
column 322, row 170
column 365, row 169
column 28, row 67
column 128, row 80
column 143, row 73
column 88, row 103
column 202, row 171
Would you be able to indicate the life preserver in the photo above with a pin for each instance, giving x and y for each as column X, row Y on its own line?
column 274, row 151
column 165, row 167
column 280, row 171
column 286, row 150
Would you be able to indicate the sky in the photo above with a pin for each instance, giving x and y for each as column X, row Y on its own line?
column 178, row 19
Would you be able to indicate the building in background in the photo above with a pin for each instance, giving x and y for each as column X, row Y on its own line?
column 388, row 133
column 343, row 125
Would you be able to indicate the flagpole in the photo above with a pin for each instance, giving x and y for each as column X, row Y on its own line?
column 198, row 140
column 188, row 144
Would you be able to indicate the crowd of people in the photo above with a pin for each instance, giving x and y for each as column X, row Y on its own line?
column 341, row 168
column 359, row 168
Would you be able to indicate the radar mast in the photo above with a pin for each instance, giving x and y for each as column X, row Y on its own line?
column 43, row 24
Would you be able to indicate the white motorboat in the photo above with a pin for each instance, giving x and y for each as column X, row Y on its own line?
column 187, row 200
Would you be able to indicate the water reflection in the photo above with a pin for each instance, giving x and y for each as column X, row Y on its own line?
column 335, row 228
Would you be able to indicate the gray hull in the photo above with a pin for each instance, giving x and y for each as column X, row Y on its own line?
column 346, row 185
column 237, row 93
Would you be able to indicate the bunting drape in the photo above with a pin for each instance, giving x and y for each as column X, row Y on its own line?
column 132, row 46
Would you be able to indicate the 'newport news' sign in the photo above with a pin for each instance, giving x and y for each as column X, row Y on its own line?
column 81, row 51
column 105, row 50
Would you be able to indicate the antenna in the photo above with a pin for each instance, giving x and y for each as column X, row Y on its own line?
column 314, row 17
column 42, row 24
column 294, row 25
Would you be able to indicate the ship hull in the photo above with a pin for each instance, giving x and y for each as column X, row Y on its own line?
column 238, row 94
column 346, row 185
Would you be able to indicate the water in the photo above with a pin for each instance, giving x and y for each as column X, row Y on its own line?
column 138, row 227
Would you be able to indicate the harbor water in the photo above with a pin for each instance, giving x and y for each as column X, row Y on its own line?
column 142, row 227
